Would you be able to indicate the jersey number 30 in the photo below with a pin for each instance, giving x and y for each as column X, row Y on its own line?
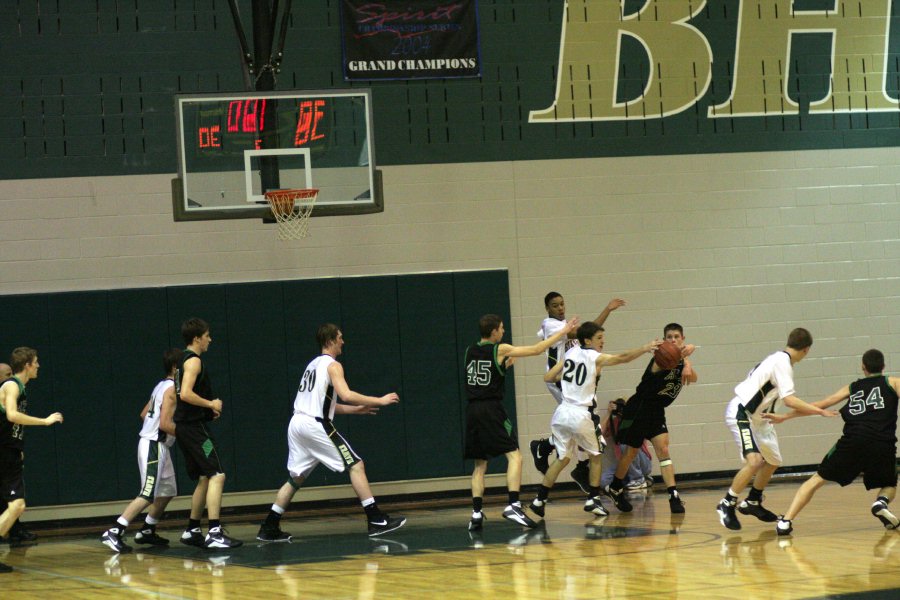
column 308, row 381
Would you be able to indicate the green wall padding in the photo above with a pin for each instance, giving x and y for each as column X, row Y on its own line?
column 101, row 355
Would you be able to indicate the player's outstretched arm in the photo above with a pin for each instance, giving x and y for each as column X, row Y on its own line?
column 9, row 394
column 804, row 409
column 508, row 350
column 608, row 360
column 613, row 305
column 554, row 374
column 336, row 372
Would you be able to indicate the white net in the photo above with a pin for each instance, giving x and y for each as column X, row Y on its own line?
column 292, row 210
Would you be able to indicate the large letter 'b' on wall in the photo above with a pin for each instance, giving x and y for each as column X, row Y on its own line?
column 679, row 55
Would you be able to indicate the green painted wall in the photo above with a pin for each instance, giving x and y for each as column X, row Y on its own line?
column 100, row 355
column 86, row 89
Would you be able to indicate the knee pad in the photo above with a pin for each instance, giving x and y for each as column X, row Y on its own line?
column 293, row 483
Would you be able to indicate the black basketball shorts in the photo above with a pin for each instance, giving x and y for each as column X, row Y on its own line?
column 489, row 432
column 12, row 482
column 849, row 457
column 199, row 450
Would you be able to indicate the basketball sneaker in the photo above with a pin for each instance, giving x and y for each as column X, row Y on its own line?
column 272, row 534
column 217, row 539
column 5, row 568
column 538, row 507
column 636, row 484
column 783, row 526
column 581, row 477
column 516, row 515
column 193, row 537
column 727, row 516
column 593, row 506
column 618, row 498
column 540, row 453
column 756, row 509
column 676, row 504
column 112, row 538
column 887, row 518
column 18, row 534
column 477, row 521
column 148, row 536
column 385, row 524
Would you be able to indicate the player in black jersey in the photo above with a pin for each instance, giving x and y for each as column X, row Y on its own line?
column 868, row 445
column 644, row 418
column 18, row 534
column 489, row 432
column 195, row 405
column 13, row 419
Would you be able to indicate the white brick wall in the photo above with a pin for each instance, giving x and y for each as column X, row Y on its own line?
column 739, row 248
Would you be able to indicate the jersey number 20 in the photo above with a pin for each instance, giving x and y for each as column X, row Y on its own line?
column 572, row 371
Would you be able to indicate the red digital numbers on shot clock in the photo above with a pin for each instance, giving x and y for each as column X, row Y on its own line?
column 245, row 122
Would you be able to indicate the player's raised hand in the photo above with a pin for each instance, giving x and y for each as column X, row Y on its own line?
column 391, row 398
column 54, row 418
column 652, row 346
column 571, row 325
column 614, row 304
column 687, row 350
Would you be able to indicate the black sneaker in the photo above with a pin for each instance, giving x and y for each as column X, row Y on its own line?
column 476, row 523
column 618, row 498
column 113, row 540
column 783, row 527
column 538, row 509
column 5, row 568
column 272, row 534
column 193, row 537
column 593, row 506
column 514, row 513
column 540, row 453
column 581, row 477
column 887, row 518
column 145, row 536
column 217, row 539
column 727, row 516
column 385, row 524
column 756, row 509
column 676, row 504
column 18, row 534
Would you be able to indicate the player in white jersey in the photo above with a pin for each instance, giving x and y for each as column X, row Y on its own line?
column 158, row 485
column 572, row 425
column 556, row 320
column 769, row 381
column 313, row 439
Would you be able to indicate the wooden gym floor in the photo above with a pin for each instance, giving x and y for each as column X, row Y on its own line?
column 838, row 550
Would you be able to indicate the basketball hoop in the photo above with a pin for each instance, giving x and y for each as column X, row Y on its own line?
column 292, row 209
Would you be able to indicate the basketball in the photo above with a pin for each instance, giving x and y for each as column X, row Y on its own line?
column 667, row 355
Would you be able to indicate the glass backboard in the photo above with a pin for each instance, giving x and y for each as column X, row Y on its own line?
column 232, row 148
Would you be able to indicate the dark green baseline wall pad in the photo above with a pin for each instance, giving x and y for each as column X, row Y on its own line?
column 87, row 88
column 101, row 355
